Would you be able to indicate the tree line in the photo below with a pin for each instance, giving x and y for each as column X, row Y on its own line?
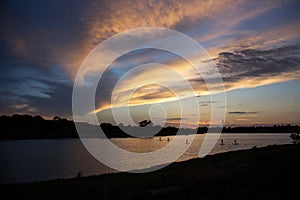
column 36, row 127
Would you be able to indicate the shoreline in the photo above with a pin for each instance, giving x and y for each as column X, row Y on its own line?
column 78, row 138
column 243, row 173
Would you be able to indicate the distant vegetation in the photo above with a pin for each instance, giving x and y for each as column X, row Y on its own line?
column 36, row 127
column 29, row 127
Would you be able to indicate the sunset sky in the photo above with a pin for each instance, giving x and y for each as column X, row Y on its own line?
column 254, row 44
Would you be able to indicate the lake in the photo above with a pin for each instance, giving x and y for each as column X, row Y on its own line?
column 24, row 161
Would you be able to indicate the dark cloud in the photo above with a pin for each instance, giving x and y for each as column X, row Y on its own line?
column 60, row 102
column 242, row 113
column 175, row 119
column 41, row 32
column 206, row 103
column 33, row 90
column 249, row 63
column 105, row 87
column 34, row 37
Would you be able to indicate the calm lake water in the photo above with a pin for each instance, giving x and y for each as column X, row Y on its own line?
column 38, row 160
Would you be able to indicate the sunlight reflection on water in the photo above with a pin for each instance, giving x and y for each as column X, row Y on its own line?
column 37, row 160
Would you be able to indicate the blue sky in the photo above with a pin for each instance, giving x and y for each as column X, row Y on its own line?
column 255, row 45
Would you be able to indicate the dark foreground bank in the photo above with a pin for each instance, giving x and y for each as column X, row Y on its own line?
column 262, row 173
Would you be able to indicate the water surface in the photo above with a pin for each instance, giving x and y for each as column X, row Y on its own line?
column 38, row 160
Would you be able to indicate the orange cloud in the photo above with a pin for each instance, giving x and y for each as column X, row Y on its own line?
column 108, row 19
column 111, row 17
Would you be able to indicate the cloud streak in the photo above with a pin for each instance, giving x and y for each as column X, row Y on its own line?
column 242, row 113
column 254, row 67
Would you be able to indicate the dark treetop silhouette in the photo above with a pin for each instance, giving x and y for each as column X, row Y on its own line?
column 36, row 127
column 144, row 123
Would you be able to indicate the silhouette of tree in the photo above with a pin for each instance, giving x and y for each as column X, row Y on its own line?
column 56, row 118
column 144, row 123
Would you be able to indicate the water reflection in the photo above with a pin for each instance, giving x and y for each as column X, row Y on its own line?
column 36, row 160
